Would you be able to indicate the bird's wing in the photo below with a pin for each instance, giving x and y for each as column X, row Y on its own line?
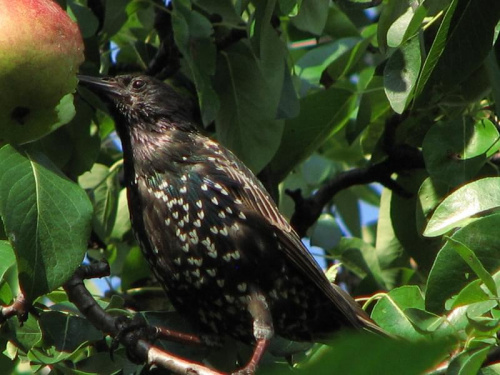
column 247, row 188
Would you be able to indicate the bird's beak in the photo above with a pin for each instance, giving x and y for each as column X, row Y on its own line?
column 105, row 85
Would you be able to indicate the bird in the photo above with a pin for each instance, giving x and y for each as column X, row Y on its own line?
column 214, row 238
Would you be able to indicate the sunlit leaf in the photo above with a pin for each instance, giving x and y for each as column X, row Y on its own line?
column 47, row 219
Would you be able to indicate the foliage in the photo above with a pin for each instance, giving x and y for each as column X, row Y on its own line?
column 302, row 91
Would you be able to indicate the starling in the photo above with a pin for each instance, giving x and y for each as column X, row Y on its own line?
column 214, row 238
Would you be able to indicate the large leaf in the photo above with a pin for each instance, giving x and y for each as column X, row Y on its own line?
column 455, row 150
column 379, row 356
column 393, row 11
column 465, row 36
column 47, row 218
column 450, row 272
column 101, row 184
column 26, row 336
column 7, row 258
column 67, row 332
column 401, row 73
column 372, row 106
column 390, row 314
column 405, row 26
column 246, row 121
column 312, row 16
column 114, row 17
column 470, row 200
column 87, row 21
column 193, row 36
column 322, row 114
column 362, row 259
column 310, row 67
column 404, row 223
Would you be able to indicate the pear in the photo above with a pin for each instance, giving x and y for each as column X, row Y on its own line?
column 41, row 49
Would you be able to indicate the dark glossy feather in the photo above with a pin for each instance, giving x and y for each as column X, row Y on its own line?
column 211, row 233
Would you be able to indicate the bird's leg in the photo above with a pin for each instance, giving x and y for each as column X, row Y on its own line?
column 263, row 330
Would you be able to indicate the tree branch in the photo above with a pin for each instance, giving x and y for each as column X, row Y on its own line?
column 138, row 348
column 399, row 158
column 166, row 62
column 20, row 308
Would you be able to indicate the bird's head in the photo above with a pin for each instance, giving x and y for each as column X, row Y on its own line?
column 141, row 102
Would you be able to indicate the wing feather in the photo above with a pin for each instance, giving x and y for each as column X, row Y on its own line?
column 250, row 191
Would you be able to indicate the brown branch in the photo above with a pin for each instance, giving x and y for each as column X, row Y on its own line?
column 138, row 348
column 20, row 308
column 399, row 158
column 166, row 62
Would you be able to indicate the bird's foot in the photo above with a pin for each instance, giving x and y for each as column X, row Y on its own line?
column 130, row 331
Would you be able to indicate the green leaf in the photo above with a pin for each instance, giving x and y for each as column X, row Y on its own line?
column 47, row 218
column 399, row 356
column 114, row 17
column 465, row 35
column 347, row 205
column 493, row 71
column 389, row 249
column 99, row 363
column 485, row 324
column 405, row 26
column 26, row 336
column 74, row 147
column 468, row 362
column 223, row 8
column 122, row 223
column 322, row 114
column 193, row 36
column 289, row 105
column 7, row 365
column 472, row 293
column 423, row 320
column 67, row 332
column 373, row 105
column 338, row 24
column 455, row 150
column 6, row 294
column 312, row 16
column 348, row 61
column 7, row 258
column 87, row 21
column 134, row 268
column 389, row 312
column 245, row 123
column 450, row 273
column 401, row 73
column 470, row 258
column 310, row 67
column 390, row 13
column 38, row 122
column 326, row 232
column 493, row 369
column 101, row 184
column 360, row 257
column 430, row 194
column 470, row 200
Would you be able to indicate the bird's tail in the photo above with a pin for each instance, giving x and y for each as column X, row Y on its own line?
column 364, row 322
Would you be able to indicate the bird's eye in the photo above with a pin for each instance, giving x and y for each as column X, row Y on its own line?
column 138, row 84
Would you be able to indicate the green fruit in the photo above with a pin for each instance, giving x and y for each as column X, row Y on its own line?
column 40, row 51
